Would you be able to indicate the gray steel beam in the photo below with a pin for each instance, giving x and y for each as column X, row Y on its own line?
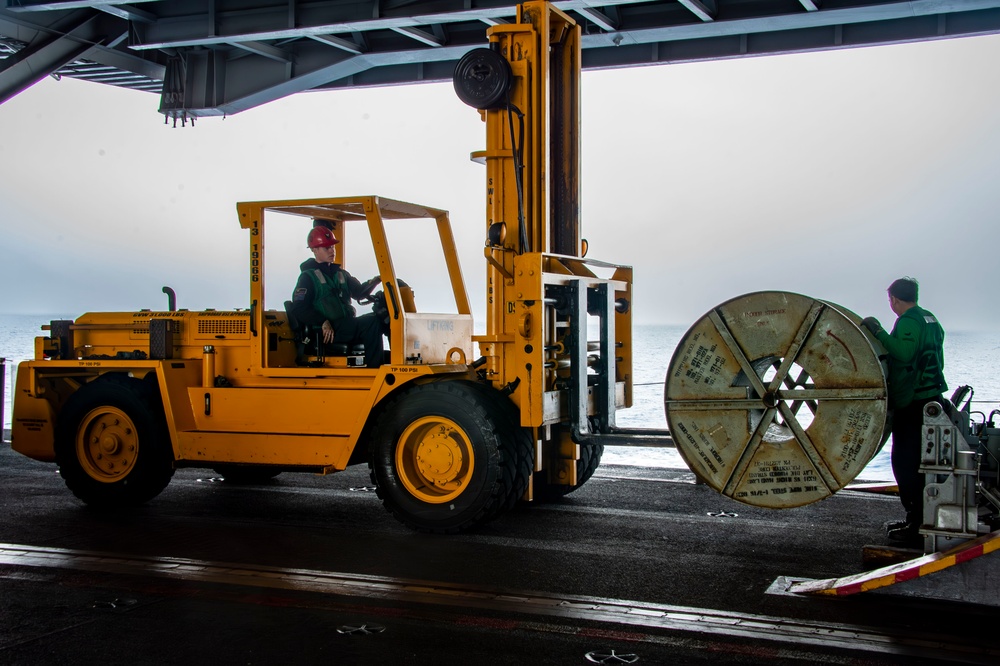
column 355, row 70
column 703, row 9
column 340, row 43
column 375, row 69
column 265, row 50
column 494, row 21
column 892, row 11
column 598, row 18
column 129, row 13
column 333, row 72
column 57, row 5
column 129, row 62
column 67, row 40
column 599, row 54
column 271, row 22
column 241, row 53
column 420, row 35
column 27, row 28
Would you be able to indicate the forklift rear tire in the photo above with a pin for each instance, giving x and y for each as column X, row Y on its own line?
column 438, row 455
column 111, row 443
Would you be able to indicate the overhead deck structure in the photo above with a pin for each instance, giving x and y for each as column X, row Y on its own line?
column 217, row 57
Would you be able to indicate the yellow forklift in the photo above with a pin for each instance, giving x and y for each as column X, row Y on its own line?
column 455, row 427
column 774, row 399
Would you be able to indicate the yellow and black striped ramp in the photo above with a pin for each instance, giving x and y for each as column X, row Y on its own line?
column 903, row 571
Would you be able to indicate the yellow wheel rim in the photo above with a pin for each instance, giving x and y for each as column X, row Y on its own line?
column 434, row 459
column 107, row 444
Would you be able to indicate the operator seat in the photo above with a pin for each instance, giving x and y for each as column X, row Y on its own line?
column 309, row 346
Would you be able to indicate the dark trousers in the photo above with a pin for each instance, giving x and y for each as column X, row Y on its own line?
column 907, row 438
column 364, row 330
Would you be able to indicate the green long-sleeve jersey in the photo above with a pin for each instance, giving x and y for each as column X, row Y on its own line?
column 916, row 357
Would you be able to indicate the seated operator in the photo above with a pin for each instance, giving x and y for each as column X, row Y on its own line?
column 323, row 296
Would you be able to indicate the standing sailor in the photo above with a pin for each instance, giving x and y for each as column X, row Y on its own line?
column 916, row 377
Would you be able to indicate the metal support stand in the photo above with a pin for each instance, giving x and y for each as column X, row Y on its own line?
column 960, row 472
column 578, row 390
column 601, row 303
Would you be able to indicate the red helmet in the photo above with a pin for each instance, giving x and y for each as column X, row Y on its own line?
column 321, row 237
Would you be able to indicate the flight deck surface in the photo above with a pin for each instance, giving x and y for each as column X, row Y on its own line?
column 638, row 563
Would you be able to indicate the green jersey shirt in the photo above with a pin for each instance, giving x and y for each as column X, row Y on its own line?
column 916, row 357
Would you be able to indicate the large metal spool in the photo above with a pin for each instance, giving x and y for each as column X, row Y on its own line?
column 776, row 399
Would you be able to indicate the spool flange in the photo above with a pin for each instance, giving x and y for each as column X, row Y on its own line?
column 776, row 399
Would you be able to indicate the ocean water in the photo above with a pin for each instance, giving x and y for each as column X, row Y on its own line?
column 968, row 360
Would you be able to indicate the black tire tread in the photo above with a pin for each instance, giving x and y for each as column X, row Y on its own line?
column 518, row 457
column 141, row 400
column 512, row 449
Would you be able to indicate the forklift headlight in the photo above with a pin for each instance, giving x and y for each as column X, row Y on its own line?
column 497, row 233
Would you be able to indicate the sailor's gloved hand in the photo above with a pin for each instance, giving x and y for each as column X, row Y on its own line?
column 872, row 324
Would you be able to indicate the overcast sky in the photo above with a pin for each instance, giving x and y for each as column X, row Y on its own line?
column 828, row 174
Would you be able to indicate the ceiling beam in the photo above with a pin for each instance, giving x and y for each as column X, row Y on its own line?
column 271, row 23
column 247, row 40
column 703, row 9
column 267, row 26
column 340, row 43
column 48, row 51
column 890, row 11
column 333, row 72
column 419, row 35
column 56, row 5
column 261, row 49
column 129, row 13
column 598, row 18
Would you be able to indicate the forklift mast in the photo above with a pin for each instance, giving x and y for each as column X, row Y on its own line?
column 544, row 298
column 533, row 144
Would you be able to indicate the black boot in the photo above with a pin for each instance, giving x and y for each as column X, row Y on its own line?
column 894, row 525
column 908, row 534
